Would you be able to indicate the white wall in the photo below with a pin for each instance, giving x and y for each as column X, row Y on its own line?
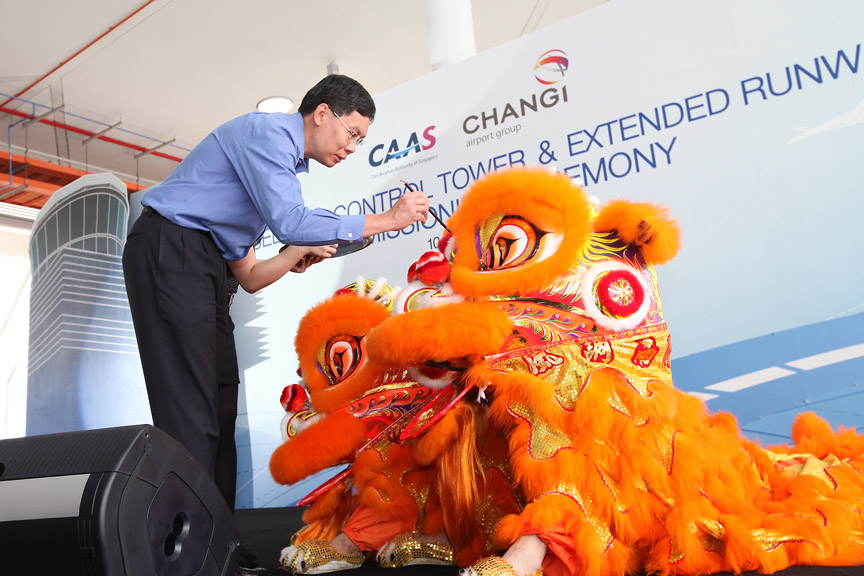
column 14, row 324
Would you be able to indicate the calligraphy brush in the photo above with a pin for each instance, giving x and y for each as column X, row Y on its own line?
column 431, row 211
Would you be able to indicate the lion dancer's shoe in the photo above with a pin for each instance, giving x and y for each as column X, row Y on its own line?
column 318, row 557
column 493, row 566
column 409, row 549
column 523, row 558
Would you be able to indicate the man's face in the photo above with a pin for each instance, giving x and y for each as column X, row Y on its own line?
column 338, row 136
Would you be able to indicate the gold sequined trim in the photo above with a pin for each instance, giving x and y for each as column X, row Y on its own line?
column 544, row 441
column 664, row 447
column 771, row 540
column 317, row 553
column 586, row 504
column 712, row 527
column 608, row 479
column 296, row 535
column 495, row 566
column 405, row 549
column 618, row 405
column 675, row 553
column 646, row 486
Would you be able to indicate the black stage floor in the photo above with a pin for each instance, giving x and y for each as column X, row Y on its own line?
column 265, row 531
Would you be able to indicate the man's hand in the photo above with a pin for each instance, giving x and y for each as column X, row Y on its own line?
column 300, row 267
column 411, row 207
column 313, row 255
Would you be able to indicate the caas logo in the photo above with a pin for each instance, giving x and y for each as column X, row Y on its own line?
column 551, row 66
column 377, row 156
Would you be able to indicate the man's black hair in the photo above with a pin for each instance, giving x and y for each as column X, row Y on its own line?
column 344, row 95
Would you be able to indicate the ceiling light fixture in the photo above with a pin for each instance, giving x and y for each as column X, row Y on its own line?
column 276, row 104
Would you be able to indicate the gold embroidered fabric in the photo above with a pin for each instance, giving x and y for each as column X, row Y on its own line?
column 566, row 366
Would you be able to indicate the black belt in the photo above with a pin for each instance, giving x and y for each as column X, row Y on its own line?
column 148, row 210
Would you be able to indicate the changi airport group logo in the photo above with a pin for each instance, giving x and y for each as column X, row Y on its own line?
column 551, row 66
column 400, row 147
column 500, row 119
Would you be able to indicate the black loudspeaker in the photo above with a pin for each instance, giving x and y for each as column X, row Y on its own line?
column 117, row 501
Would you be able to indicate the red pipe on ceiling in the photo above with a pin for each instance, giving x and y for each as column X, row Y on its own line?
column 64, row 62
column 5, row 110
column 73, row 128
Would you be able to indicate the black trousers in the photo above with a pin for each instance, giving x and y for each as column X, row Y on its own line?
column 178, row 295
column 225, row 472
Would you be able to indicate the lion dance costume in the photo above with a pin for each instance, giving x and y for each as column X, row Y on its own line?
column 559, row 335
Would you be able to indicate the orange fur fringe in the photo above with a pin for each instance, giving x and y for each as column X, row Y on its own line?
column 646, row 225
column 449, row 331
column 324, row 517
column 654, row 482
column 332, row 440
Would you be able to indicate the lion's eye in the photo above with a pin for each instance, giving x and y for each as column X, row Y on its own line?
column 343, row 354
column 515, row 242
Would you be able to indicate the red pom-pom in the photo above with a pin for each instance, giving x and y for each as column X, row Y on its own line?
column 294, row 397
column 432, row 269
column 445, row 245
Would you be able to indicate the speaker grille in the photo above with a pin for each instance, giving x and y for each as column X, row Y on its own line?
column 107, row 450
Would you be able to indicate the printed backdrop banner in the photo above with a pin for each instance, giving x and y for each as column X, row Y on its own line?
column 744, row 118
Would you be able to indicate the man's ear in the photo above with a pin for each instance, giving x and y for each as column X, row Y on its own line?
column 320, row 112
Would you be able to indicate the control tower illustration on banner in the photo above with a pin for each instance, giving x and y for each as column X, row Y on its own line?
column 84, row 370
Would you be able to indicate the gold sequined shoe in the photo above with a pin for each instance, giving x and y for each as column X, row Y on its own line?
column 296, row 535
column 406, row 550
column 493, row 566
column 317, row 557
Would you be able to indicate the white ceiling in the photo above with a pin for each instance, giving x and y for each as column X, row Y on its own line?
column 175, row 69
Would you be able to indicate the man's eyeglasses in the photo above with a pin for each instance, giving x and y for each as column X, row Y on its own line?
column 358, row 140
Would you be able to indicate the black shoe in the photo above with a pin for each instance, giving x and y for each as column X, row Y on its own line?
column 247, row 563
column 247, row 555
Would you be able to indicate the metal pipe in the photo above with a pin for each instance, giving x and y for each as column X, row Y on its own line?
column 43, row 115
column 101, row 132
column 9, row 140
column 88, row 133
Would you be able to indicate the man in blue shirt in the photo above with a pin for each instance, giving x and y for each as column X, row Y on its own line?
column 211, row 210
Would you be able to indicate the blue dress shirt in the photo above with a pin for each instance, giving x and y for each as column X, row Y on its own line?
column 243, row 177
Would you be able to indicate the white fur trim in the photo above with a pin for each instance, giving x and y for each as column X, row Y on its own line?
column 375, row 292
column 283, row 425
column 434, row 383
column 289, row 420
